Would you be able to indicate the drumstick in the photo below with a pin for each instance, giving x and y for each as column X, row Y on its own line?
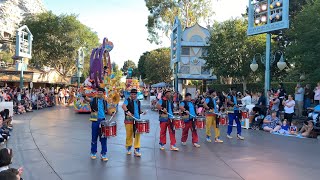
column 112, row 116
column 134, row 118
column 167, row 113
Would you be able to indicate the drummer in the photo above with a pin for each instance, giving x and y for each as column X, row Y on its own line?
column 165, row 107
column 98, row 114
column 232, row 102
column 132, row 109
column 211, row 106
column 189, row 110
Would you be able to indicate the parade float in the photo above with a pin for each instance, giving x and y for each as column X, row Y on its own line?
column 132, row 83
column 100, row 75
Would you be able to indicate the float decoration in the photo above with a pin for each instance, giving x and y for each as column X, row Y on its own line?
column 100, row 76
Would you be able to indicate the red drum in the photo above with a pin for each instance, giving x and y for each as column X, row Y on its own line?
column 142, row 126
column 223, row 119
column 178, row 122
column 108, row 129
column 244, row 114
column 200, row 122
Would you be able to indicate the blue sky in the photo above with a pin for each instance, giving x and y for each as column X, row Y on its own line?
column 123, row 22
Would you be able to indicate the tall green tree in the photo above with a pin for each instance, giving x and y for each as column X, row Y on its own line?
column 142, row 65
column 157, row 66
column 231, row 51
column 304, row 50
column 56, row 40
column 162, row 14
column 128, row 64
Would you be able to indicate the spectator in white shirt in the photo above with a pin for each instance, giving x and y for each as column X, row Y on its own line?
column 246, row 100
column 289, row 108
column 317, row 94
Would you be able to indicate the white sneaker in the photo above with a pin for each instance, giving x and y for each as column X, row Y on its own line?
column 184, row 143
column 228, row 136
column 196, row 145
column 240, row 137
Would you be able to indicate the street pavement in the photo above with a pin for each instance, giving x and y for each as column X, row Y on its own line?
column 54, row 143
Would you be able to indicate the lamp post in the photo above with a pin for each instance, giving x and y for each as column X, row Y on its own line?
column 24, row 40
column 267, row 62
column 266, row 16
column 80, row 62
column 176, row 50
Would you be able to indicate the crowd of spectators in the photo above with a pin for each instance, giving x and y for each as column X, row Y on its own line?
column 277, row 111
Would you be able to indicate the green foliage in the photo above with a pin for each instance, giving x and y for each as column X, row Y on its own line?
column 231, row 50
column 162, row 14
column 6, row 56
column 157, row 66
column 117, row 72
column 304, row 50
column 128, row 64
column 56, row 40
column 142, row 65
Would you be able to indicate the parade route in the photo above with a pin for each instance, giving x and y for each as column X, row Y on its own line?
column 54, row 143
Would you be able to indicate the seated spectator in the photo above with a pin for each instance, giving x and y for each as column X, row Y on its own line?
column 4, row 132
column 21, row 109
column 271, row 123
column 6, row 156
column 10, row 174
column 293, row 128
column 306, row 129
column 284, row 127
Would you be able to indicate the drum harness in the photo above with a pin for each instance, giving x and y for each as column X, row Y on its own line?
column 169, row 120
column 186, row 106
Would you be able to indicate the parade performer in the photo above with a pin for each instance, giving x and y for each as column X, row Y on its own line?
column 165, row 107
column 211, row 106
column 189, row 111
column 234, row 114
column 98, row 114
column 132, row 109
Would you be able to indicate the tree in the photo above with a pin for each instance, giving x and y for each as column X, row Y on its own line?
column 162, row 14
column 117, row 72
column 304, row 50
column 142, row 65
column 231, row 50
column 56, row 40
column 128, row 64
column 157, row 66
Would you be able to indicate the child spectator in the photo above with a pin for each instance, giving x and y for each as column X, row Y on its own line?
column 293, row 128
column 284, row 128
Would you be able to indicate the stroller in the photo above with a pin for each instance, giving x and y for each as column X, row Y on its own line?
column 257, row 118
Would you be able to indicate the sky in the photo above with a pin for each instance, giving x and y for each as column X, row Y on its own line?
column 123, row 22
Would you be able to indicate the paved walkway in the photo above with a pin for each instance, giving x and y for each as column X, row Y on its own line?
column 53, row 144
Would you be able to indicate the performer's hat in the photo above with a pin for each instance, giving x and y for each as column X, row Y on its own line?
column 134, row 91
column 101, row 89
column 166, row 91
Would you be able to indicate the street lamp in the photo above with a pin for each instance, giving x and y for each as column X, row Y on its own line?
column 281, row 65
column 80, row 62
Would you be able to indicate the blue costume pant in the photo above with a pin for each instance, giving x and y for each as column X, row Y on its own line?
column 96, row 132
column 234, row 116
